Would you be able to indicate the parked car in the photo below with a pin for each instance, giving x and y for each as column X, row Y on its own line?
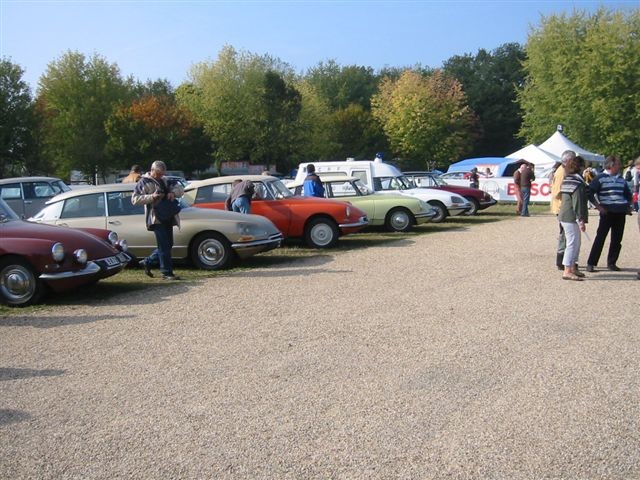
column 386, row 179
column 478, row 199
column 27, row 195
column 460, row 178
column 210, row 240
column 320, row 221
column 398, row 213
column 37, row 258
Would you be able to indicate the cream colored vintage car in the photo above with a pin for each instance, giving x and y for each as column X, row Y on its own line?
column 210, row 239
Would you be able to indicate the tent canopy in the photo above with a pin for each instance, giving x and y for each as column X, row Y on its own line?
column 481, row 163
column 558, row 143
column 537, row 156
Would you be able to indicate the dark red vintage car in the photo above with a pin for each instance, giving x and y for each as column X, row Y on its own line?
column 479, row 199
column 36, row 258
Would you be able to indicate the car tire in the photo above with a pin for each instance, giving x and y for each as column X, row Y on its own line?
column 211, row 251
column 399, row 220
column 19, row 283
column 441, row 210
column 475, row 206
column 321, row 232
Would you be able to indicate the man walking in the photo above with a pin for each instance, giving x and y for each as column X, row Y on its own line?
column 149, row 191
column 610, row 194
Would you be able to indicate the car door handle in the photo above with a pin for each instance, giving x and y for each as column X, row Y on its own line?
column 115, row 222
column 28, row 202
column 63, row 225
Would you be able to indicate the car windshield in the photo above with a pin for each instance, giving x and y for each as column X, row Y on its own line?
column 59, row 186
column 364, row 190
column 6, row 214
column 278, row 189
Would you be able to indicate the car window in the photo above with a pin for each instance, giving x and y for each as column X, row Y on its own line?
column 119, row 203
column 59, row 186
column 210, row 194
column 261, row 193
column 84, row 206
column 10, row 191
column 343, row 189
column 38, row 190
column 360, row 175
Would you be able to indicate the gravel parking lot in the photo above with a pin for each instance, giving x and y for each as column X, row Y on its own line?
column 460, row 354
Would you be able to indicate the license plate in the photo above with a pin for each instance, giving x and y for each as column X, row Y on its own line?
column 112, row 261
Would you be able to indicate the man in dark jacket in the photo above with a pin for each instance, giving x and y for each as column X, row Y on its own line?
column 526, row 177
column 610, row 193
column 312, row 186
column 239, row 200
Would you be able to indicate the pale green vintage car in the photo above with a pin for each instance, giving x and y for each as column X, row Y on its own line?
column 397, row 213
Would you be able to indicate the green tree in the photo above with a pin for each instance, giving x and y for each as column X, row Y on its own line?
column 247, row 104
column 425, row 119
column 16, row 120
column 77, row 95
column 357, row 133
column 490, row 81
column 583, row 71
column 155, row 128
column 343, row 86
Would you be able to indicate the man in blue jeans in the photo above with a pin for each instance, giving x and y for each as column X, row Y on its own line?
column 239, row 200
column 149, row 190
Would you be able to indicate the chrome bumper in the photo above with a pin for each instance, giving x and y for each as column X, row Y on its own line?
column 92, row 268
column 363, row 222
column 426, row 214
column 273, row 239
column 488, row 203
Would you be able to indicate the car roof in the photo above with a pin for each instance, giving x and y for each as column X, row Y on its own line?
column 109, row 187
column 328, row 177
column 229, row 179
column 28, row 179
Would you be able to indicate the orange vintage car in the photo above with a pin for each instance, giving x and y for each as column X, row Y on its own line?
column 319, row 221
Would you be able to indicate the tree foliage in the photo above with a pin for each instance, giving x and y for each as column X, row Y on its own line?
column 155, row 128
column 490, row 81
column 425, row 118
column 343, row 86
column 16, row 120
column 583, row 71
column 76, row 96
column 247, row 104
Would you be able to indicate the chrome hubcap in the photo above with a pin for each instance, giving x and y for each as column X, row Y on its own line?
column 17, row 284
column 210, row 252
column 399, row 220
column 322, row 234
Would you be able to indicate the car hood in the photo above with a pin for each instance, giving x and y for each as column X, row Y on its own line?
column 193, row 213
column 71, row 238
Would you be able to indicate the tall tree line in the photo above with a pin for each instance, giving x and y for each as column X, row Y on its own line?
column 580, row 70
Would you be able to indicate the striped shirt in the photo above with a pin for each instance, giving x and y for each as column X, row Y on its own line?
column 611, row 191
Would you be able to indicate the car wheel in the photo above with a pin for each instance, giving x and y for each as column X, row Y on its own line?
column 321, row 233
column 398, row 220
column 211, row 251
column 475, row 206
column 441, row 211
column 19, row 284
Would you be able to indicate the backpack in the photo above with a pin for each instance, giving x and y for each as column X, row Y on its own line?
column 628, row 176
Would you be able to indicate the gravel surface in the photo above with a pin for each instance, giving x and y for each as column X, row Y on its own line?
column 460, row 354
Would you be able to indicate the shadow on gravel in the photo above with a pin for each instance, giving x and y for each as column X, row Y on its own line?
column 20, row 373
column 12, row 416
column 48, row 321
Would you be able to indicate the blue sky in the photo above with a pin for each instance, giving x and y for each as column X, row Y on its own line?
column 162, row 39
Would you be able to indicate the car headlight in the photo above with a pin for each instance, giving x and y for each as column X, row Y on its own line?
column 348, row 211
column 113, row 238
column 80, row 255
column 124, row 245
column 57, row 252
column 458, row 200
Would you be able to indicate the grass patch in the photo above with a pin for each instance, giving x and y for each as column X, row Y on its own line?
column 132, row 279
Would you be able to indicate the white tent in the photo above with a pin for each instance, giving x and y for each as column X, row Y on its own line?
column 537, row 156
column 558, row 143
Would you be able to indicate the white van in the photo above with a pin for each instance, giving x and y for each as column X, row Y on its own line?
column 384, row 178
